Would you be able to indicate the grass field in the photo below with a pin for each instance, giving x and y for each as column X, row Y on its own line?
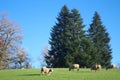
column 60, row 74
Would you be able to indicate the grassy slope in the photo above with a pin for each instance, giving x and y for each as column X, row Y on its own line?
column 60, row 74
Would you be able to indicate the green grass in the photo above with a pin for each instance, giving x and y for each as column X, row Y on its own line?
column 60, row 74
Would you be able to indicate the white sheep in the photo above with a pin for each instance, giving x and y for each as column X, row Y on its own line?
column 45, row 70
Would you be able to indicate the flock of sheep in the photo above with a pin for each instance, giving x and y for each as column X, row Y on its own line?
column 48, row 71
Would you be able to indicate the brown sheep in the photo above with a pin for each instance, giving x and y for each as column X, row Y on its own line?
column 74, row 66
column 110, row 67
column 45, row 70
column 96, row 67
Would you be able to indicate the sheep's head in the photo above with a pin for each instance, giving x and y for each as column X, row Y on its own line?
column 51, row 70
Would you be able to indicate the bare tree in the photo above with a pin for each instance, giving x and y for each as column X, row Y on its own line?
column 22, row 58
column 42, row 56
column 10, row 40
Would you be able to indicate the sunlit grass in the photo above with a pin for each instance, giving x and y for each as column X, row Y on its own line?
column 60, row 74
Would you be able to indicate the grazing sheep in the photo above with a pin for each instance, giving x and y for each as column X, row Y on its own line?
column 74, row 66
column 45, row 70
column 96, row 67
column 112, row 66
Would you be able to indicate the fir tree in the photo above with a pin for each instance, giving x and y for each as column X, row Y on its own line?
column 66, row 37
column 59, row 40
column 78, row 34
column 100, row 38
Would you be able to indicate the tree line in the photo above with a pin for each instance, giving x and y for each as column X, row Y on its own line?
column 71, row 43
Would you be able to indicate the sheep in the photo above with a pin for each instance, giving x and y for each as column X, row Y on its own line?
column 74, row 66
column 45, row 70
column 96, row 67
column 112, row 66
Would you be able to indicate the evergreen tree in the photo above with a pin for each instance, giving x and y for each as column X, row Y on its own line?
column 100, row 38
column 78, row 35
column 59, row 40
column 66, row 37
column 88, row 53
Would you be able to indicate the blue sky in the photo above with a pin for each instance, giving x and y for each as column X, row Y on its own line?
column 37, row 17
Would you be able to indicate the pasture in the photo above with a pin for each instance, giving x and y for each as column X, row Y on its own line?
column 60, row 74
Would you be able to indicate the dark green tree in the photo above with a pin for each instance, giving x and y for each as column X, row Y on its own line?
column 59, row 40
column 87, row 53
column 100, row 39
column 65, row 41
column 78, row 35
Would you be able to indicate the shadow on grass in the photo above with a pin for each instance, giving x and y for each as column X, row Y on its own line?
column 82, row 71
column 30, row 75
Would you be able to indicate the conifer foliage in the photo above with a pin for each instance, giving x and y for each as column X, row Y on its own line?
column 70, row 44
column 65, row 38
column 100, row 37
